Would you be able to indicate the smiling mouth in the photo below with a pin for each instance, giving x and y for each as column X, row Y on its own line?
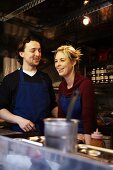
column 36, row 60
column 60, row 70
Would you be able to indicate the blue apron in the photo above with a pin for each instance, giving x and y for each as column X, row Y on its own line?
column 76, row 112
column 32, row 102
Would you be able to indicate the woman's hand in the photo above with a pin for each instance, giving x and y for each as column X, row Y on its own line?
column 80, row 138
column 85, row 138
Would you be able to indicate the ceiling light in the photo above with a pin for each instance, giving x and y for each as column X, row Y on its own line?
column 86, row 20
column 86, row 2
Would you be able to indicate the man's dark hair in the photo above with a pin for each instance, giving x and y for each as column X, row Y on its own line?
column 22, row 43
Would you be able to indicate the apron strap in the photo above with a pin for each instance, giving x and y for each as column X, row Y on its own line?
column 21, row 75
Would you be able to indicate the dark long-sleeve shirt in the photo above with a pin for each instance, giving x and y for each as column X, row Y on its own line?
column 9, row 88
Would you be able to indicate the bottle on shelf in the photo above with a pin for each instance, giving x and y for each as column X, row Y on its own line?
column 111, row 78
column 93, row 77
column 97, row 75
column 102, row 75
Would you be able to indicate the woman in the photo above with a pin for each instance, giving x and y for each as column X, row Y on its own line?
column 66, row 60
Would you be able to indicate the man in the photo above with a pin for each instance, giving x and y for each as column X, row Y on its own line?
column 27, row 95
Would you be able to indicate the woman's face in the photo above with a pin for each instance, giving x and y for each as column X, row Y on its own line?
column 63, row 64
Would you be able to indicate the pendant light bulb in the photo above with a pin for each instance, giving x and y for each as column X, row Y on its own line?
column 86, row 20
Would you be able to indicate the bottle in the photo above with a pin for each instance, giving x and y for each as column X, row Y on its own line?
column 97, row 139
column 97, row 75
column 93, row 75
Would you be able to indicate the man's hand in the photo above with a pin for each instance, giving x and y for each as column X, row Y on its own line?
column 25, row 124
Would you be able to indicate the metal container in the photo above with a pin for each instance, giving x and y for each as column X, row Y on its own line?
column 61, row 134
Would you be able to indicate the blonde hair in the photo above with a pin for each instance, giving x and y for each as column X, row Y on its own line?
column 70, row 51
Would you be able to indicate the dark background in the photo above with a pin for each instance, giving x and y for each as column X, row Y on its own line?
column 57, row 22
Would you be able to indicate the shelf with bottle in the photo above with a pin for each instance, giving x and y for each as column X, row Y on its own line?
column 101, row 75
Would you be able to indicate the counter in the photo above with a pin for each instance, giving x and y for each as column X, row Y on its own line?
column 5, row 131
column 85, row 157
column 15, row 154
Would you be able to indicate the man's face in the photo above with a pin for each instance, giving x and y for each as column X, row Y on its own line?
column 31, row 54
